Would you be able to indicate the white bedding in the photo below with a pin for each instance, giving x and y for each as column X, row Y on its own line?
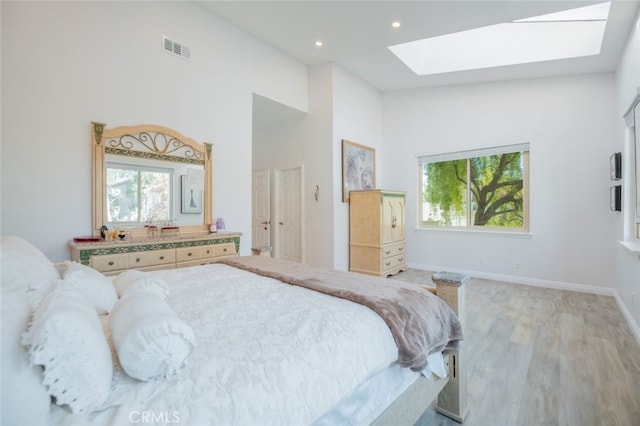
column 262, row 355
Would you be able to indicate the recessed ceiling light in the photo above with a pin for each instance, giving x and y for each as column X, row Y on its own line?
column 395, row 24
column 318, row 43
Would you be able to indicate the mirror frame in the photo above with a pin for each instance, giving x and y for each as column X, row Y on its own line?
column 147, row 141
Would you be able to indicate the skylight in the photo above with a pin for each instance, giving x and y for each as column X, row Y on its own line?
column 568, row 34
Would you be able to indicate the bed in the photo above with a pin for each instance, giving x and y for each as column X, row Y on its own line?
column 251, row 340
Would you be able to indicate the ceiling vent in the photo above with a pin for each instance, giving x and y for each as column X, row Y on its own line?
column 175, row 48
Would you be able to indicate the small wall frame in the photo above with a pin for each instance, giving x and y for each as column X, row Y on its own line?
column 191, row 197
column 615, row 165
column 615, row 198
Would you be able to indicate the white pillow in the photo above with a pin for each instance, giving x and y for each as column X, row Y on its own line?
column 96, row 287
column 25, row 269
column 150, row 340
column 134, row 281
column 25, row 400
column 67, row 339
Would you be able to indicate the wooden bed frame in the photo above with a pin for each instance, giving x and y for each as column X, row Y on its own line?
column 451, row 392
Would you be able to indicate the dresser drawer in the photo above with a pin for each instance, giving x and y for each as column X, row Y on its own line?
column 161, row 257
column 196, row 262
column 208, row 252
column 115, row 262
column 226, row 249
column 184, row 254
column 391, row 250
column 394, row 262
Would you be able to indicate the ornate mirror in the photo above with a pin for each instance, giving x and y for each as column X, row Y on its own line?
column 150, row 176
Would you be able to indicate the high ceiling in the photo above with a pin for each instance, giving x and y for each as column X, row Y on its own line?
column 356, row 34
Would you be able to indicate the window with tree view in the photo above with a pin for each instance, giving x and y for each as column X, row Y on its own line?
column 136, row 194
column 479, row 189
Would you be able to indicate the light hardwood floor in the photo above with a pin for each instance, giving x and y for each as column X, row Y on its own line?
column 540, row 356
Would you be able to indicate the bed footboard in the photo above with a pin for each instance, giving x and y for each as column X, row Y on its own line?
column 452, row 400
column 409, row 407
column 451, row 391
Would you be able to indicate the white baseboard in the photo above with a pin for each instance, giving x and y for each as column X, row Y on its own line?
column 535, row 282
column 633, row 325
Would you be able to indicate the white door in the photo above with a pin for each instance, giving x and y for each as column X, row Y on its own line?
column 290, row 214
column 261, row 209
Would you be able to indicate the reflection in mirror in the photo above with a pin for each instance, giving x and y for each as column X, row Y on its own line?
column 150, row 175
column 137, row 194
column 143, row 191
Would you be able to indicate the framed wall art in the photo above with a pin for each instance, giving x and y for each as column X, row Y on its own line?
column 191, row 196
column 615, row 198
column 358, row 168
column 615, row 165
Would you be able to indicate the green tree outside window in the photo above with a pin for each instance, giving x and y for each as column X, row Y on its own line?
column 480, row 191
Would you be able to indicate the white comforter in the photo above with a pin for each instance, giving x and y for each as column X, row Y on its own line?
column 266, row 353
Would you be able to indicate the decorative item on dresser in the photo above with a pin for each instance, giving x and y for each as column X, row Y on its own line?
column 113, row 257
column 376, row 232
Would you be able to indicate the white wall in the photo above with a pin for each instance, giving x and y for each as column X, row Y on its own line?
column 278, row 145
column 316, row 130
column 65, row 64
column 341, row 106
column 306, row 140
column 570, row 125
column 357, row 116
column 627, row 263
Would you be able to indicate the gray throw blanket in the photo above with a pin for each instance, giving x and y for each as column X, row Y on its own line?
column 421, row 323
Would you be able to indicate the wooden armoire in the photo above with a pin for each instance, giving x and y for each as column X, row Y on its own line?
column 376, row 232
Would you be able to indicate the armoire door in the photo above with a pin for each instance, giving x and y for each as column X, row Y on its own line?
column 393, row 213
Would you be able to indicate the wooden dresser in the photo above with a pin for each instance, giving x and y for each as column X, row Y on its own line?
column 376, row 232
column 113, row 257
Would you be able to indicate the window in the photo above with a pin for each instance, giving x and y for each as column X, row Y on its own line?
column 636, row 137
column 137, row 194
column 632, row 119
column 483, row 189
column 565, row 34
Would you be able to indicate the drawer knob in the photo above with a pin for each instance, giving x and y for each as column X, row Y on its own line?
column 161, row 257
column 189, row 254
column 388, row 263
column 208, row 251
column 400, row 248
column 137, row 260
column 400, row 259
column 224, row 250
column 111, row 263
